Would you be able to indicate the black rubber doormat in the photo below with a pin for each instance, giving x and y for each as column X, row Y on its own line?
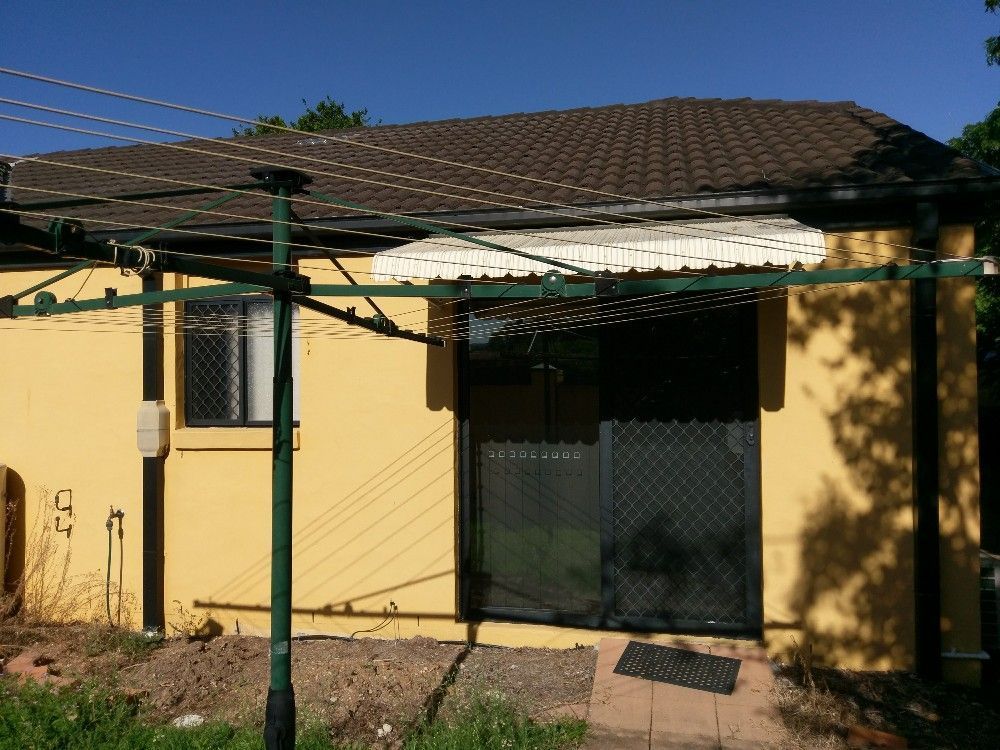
column 676, row 666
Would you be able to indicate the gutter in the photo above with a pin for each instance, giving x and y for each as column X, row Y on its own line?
column 926, row 456
column 749, row 202
column 152, row 432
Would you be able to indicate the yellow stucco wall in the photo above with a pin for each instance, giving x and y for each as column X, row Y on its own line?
column 959, row 462
column 375, row 490
column 837, row 466
column 68, row 392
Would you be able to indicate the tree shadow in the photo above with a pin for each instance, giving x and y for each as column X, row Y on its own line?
column 853, row 597
column 854, row 593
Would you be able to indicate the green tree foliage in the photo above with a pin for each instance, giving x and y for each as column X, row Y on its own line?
column 326, row 115
column 992, row 43
column 981, row 141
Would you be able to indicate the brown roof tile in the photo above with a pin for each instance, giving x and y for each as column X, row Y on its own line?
column 659, row 149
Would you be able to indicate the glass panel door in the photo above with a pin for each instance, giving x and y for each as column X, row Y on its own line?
column 535, row 522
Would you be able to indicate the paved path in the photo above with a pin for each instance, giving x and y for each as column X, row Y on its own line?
column 627, row 713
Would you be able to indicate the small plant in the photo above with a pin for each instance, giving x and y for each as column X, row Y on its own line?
column 803, row 660
column 101, row 639
column 188, row 624
column 47, row 592
column 88, row 718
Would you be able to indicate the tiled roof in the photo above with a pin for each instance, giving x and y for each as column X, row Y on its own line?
column 659, row 149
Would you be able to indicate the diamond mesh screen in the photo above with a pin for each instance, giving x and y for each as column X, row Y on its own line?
column 680, row 527
column 213, row 361
column 683, row 410
column 644, row 516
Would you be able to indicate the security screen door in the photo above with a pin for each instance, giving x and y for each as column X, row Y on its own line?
column 613, row 469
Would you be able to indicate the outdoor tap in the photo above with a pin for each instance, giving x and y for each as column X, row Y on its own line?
column 112, row 515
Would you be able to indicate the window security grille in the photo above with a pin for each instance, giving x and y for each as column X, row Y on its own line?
column 229, row 362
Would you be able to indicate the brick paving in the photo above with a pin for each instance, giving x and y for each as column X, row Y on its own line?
column 627, row 713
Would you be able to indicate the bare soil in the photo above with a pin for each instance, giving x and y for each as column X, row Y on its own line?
column 541, row 682
column 354, row 687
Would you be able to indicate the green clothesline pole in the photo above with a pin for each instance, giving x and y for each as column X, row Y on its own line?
column 279, row 716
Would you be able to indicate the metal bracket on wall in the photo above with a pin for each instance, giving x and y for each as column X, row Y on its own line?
column 553, row 284
column 69, row 503
column 44, row 301
column 67, row 508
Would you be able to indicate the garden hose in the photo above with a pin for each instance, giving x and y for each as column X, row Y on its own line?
column 109, row 525
column 107, row 585
column 121, row 564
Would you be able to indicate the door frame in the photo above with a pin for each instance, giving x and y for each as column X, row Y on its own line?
column 607, row 620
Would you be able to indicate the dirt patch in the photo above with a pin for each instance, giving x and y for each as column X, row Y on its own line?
column 74, row 651
column 354, row 687
column 539, row 681
column 928, row 714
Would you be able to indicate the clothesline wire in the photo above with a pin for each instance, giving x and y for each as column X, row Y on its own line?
column 384, row 149
column 684, row 230
column 576, row 210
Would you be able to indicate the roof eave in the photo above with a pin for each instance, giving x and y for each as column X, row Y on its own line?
column 734, row 203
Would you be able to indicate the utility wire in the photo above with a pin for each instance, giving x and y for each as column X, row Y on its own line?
column 78, row 327
column 384, row 149
column 213, row 256
column 740, row 240
column 46, row 215
column 300, row 224
column 620, row 318
column 214, row 235
column 577, row 212
column 572, row 310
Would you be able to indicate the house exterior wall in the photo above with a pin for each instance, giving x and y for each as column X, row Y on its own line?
column 837, row 453
column 67, row 421
column 375, row 471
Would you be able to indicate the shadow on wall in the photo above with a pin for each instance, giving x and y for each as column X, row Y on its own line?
column 403, row 491
column 989, row 434
column 854, row 595
column 441, row 383
column 15, row 538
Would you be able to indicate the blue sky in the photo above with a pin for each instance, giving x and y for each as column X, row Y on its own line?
column 919, row 61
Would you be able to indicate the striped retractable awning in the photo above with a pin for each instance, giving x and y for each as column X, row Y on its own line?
column 666, row 246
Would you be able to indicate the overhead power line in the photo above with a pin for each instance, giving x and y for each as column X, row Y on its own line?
column 386, row 149
column 587, row 213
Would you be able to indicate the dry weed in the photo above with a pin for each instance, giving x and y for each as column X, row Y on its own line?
column 47, row 592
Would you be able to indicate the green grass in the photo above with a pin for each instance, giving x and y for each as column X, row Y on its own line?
column 90, row 718
column 493, row 724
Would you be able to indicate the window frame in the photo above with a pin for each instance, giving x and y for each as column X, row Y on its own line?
column 243, row 347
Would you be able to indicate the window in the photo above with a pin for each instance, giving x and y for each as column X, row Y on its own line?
column 229, row 362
